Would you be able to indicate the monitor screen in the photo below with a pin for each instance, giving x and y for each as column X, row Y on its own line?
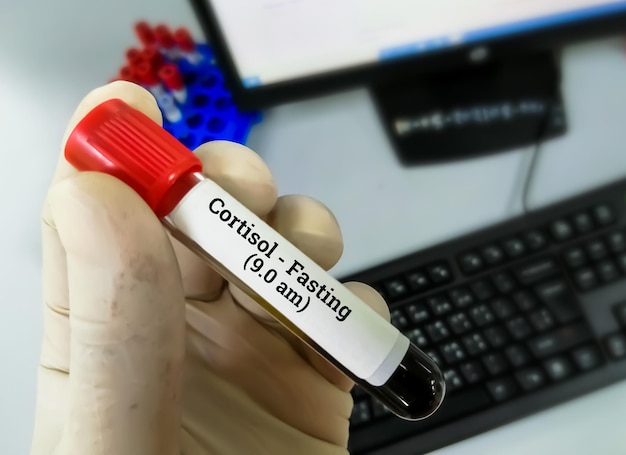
column 272, row 42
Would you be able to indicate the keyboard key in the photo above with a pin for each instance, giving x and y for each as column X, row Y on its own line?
column 472, row 371
column 561, row 230
column 536, row 240
column 453, row 380
column 585, row 279
column 607, row 271
column 418, row 281
column 483, row 290
column 617, row 242
column 396, row 288
column 492, row 254
column 461, row 297
column 621, row 260
column 596, row 249
column 459, row 323
column 471, row 263
column 530, row 378
column 519, row 328
column 575, row 257
column 558, row 368
column 524, row 301
column 541, row 320
column 497, row 336
column 514, row 248
column 417, row 337
column 603, row 214
column 475, row 344
column 561, row 301
column 517, row 355
column 417, row 313
column 502, row 307
column 437, row 331
column 560, row 340
column 435, row 356
column 504, row 282
column 466, row 401
column 533, row 271
column 398, row 319
column 620, row 313
column 583, row 223
column 360, row 413
column 615, row 345
column 440, row 273
column 452, row 352
column 502, row 389
column 439, row 305
column 587, row 358
column 495, row 363
column 482, row 315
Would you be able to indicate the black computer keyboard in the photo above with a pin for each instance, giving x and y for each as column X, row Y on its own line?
column 520, row 316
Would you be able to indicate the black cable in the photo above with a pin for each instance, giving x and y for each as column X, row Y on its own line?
column 553, row 105
column 542, row 130
column 530, row 177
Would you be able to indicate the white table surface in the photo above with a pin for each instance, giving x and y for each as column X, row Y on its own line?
column 333, row 148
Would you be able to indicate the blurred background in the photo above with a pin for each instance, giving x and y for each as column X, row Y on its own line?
column 335, row 146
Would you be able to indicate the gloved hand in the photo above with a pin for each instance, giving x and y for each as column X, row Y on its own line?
column 148, row 351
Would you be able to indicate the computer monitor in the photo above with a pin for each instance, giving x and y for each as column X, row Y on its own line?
column 450, row 79
column 279, row 50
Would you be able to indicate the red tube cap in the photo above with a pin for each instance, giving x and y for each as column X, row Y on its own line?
column 146, row 74
column 151, row 54
column 133, row 56
column 164, row 36
column 172, row 78
column 120, row 141
column 144, row 33
column 184, row 40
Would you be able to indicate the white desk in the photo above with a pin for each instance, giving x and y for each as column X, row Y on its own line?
column 52, row 53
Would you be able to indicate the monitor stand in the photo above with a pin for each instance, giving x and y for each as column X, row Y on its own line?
column 482, row 108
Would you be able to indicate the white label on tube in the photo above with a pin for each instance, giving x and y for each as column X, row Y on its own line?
column 321, row 307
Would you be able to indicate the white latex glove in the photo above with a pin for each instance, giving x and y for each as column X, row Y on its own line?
column 148, row 351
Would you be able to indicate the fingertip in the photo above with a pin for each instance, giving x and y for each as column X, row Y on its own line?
column 96, row 215
column 371, row 297
column 241, row 172
column 310, row 226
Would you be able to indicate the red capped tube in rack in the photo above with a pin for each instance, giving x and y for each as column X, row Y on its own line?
column 187, row 45
column 128, row 74
column 153, row 56
column 165, row 41
column 148, row 78
column 144, row 33
column 133, row 57
column 173, row 80
column 118, row 140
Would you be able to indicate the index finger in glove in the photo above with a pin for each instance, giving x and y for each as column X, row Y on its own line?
column 126, row 320
column 83, row 264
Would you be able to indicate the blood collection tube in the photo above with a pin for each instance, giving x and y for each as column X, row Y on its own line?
column 173, row 80
column 133, row 57
column 149, row 79
column 153, row 56
column 144, row 33
column 121, row 141
column 169, row 108
column 127, row 73
column 185, row 43
column 165, row 41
